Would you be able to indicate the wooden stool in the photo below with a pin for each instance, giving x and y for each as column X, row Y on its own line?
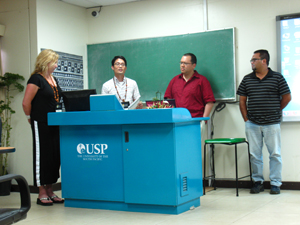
column 224, row 141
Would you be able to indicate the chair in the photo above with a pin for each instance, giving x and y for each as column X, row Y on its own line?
column 224, row 141
column 12, row 215
column 5, row 189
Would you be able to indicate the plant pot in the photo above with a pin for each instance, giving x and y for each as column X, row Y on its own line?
column 5, row 188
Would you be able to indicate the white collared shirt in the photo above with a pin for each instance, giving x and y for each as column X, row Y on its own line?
column 132, row 89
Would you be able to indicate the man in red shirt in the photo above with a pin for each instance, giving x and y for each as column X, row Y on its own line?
column 190, row 89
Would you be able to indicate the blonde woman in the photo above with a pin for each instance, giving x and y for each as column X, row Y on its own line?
column 41, row 96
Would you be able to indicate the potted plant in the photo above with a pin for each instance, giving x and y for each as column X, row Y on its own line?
column 157, row 103
column 9, row 83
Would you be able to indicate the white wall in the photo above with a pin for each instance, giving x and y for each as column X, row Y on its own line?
column 145, row 19
column 62, row 27
column 15, row 59
column 68, row 28
column 255, row 28
column 30, row 26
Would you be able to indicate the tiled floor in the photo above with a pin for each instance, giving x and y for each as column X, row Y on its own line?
column 220, row 207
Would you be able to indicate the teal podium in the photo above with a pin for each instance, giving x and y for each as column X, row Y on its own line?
column 146, row 160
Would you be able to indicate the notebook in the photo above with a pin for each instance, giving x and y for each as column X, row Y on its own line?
column 134, row 104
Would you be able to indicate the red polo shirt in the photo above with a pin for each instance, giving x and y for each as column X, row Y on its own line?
column 192, row 95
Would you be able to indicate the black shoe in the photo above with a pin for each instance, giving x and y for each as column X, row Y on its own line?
column 39, row 202
column 257, row 187
column 56, row 201
column 275, row 190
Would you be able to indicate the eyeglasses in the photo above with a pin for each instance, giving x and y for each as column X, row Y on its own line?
column 253, row 60
column 184, row 63
column 120, row 64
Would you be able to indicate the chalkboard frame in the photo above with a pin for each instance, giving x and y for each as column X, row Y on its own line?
column 153, row 62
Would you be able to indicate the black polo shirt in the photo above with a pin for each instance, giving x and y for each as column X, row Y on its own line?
column 264, row 97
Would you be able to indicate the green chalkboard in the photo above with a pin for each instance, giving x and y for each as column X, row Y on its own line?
column 153, row 62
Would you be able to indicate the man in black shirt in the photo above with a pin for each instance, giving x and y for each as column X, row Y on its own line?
column 267, row 93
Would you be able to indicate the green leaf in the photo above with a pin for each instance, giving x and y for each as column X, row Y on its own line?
column 9, row 83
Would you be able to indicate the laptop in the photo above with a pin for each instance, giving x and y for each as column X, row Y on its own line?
column 78, row 100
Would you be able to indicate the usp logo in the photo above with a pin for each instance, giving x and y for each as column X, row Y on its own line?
column 81, row 148
column 90, row 149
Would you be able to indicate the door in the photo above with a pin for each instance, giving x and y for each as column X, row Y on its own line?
column 149, row 164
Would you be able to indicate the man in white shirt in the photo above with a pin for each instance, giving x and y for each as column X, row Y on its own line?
column 125, row 89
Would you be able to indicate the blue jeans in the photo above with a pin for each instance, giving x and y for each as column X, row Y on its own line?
column 270, row 134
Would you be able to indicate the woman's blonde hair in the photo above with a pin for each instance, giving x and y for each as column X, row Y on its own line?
column 42, row 61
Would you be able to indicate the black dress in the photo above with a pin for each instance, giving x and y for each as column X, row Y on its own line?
column 46, row 152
